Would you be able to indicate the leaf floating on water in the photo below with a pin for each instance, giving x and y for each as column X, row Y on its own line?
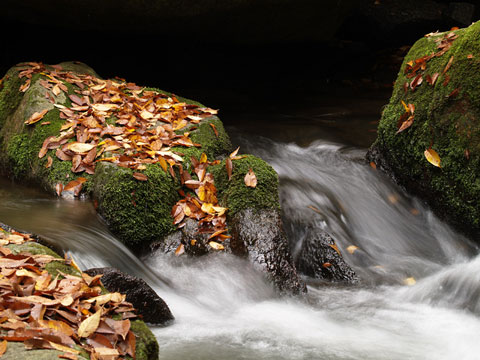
column 409, row 281
column 432, row 157
column 250, row 179
column 140, row 176
column 352, row 248
column 373, row 165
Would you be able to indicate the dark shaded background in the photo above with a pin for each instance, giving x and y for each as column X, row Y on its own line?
column 231, row 55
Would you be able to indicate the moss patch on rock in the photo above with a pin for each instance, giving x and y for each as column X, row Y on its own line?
column 236, row 196
column 447, row 122
column 147, row 346
column 139, row 211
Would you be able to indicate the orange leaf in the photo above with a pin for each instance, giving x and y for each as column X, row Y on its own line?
column 3, row 347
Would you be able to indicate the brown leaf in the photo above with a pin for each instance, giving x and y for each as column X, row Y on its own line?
column 406, row 124
column 250, row 179
column 454, row 93
column 36, row 116
column 180, row 250
column 59, row 189
column 214, row 129
column 229, row 166
column 416, row 82
column 432, row 157
column 140, row 176
column 449, row 64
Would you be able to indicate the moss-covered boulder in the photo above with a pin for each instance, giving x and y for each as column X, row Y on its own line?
column 438, row 88
column 133, row 150
column 146, row 344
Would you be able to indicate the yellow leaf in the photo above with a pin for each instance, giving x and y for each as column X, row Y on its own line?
column 405, row 106
column 90, row 324
column 3, row 347
column 335, row 247
column 208, row 208
column 352, row 248
column 77, row 147
column 409, row 281
column 203, row 158
column 432, row 157
column 216, row 245
column 63, row 348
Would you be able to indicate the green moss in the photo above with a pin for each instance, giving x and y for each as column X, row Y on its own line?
column 235, row 195
column 212, row 145
column 138, row 211
column 32, row 248
column 10, row 96
column 147, row 346
column 449, row 124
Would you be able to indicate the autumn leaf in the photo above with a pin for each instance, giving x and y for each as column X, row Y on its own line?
column 140, row 176
column 3, row 347
column 80, row 148
column 216, row 245
column 90, row 324
column 229, row 167
column 180, row 250
column 36, row 116
column 49, row 162
column 432, row 157
column 250, row 179
column 410, row 281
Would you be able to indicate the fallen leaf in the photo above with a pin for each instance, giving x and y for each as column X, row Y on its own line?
column 373, row 165
column 250, row 179
column 49, row 162
column 3, row 347
column 90, row 324
column 36, row 116
column 140, row 176
column 335, row 247
column 80, row 148
column 216, row 245
column 326, row 265
column 432, row 157
column 449, row 64
column 229, row 167
column 214, row 129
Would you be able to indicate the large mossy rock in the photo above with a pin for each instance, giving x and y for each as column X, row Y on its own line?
column 139, row 212
column 146, row 343
column 446, row 119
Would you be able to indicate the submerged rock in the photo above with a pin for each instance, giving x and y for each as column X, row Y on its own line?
column 148, row 304
column 320, row 258
column 437, row 100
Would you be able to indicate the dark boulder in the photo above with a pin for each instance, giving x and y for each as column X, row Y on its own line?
column 258, row 235
column 147, row 303
column 319, row 258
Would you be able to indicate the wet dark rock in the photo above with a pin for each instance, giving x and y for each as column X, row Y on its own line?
column 259, row 236
column 318, row 259
column 148, row 304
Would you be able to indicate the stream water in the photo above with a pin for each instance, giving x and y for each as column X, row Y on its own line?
column 225, row 310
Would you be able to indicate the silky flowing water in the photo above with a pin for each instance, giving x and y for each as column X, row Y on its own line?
column 225, row 310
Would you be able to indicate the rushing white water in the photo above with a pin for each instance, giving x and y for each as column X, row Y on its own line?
column 225, row 310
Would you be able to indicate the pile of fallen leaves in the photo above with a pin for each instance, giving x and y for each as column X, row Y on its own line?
column 65, row 313
column 124, row 124
column 416, row 71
